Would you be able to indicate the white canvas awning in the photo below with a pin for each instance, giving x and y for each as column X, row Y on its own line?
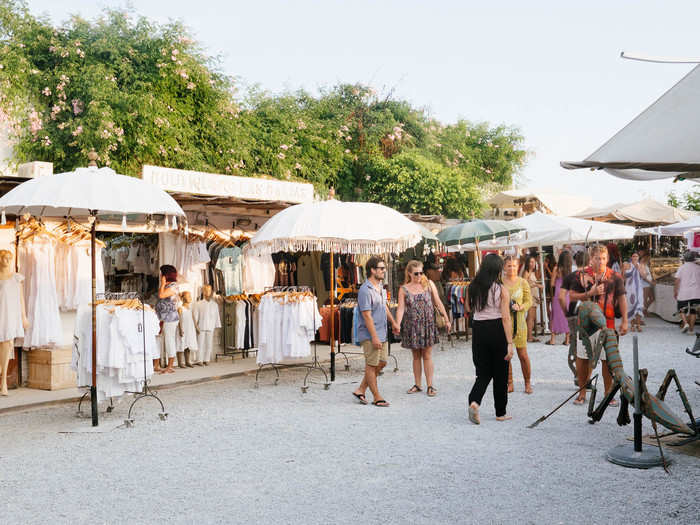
column 660, row 143
column 557, row 203
column 646, row 211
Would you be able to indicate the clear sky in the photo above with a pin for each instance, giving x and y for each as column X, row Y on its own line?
column 550, row 68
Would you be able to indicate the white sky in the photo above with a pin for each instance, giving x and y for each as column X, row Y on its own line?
column 551, row 68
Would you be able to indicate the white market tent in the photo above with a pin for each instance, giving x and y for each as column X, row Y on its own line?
column 541, row 229
column 645, row 212
column 681, row 227
column 660, row 143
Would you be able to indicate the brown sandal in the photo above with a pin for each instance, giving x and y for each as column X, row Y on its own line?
column 414, row 389
column 431, row 392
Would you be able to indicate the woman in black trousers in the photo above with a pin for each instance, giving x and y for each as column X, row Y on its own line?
column 492, row 341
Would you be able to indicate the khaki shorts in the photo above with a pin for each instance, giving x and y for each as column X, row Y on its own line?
column 581, row 349
column 372, row 355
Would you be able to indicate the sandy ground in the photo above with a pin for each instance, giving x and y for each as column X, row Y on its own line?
column 229, row 453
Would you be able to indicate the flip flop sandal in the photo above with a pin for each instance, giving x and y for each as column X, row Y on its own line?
column 431, row 392
column 361, row 398
column 380, row 403
column 474, row 415
column 579, row 401
column 414, row 389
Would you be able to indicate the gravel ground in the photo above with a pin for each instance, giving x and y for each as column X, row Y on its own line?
column 232, row 454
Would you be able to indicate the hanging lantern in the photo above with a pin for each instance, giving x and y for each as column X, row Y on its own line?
column 3, row 220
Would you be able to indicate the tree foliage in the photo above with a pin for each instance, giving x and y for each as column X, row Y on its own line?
column 689, row 200
column 142, row 93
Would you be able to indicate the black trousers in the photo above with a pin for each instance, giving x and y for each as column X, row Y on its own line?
column 489, row 349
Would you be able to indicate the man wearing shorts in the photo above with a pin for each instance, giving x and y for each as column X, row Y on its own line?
column 686, row 290
column 602, row 285
column 372, row 329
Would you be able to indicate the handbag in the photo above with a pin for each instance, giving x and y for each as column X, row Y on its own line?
column 439, row 319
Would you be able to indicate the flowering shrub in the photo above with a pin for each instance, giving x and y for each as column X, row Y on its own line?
column 141, row 93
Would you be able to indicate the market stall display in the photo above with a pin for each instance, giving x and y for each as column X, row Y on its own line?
column 335, row 227
column 88, row 195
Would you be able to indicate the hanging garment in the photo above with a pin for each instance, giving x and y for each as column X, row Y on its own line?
column 230, row 263
column 258, row 273
column 206, row 314
column 38, row 263
column 11, row 308
column 122, row 339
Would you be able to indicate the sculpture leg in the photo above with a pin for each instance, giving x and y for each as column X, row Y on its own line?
column 573, row 337
column 671, row 375
column 597, row 414
column 5, row 351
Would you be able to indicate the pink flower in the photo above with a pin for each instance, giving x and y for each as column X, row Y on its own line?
column 347, row 151
column 297, row 166
column 46, row 141
column 284, row 147
column 191, row 85
column 77, row 106
column 175, row 51
column 280, row 156
column 46, row 91
column 77, row 131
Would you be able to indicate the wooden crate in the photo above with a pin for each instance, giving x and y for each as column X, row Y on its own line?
column 49, row 369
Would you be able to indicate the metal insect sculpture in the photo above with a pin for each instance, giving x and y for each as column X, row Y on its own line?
column 597, row 338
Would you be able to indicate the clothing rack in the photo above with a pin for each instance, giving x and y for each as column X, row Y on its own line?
column 146, row 390
column 232, row 350
column 315, row 364
column 452, row 332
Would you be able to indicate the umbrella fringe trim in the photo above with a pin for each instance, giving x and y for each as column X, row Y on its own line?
column 330, row 245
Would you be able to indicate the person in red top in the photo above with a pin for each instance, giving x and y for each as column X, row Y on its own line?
column 601, row 284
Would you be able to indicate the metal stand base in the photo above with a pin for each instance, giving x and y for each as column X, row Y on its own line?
column 626, row 456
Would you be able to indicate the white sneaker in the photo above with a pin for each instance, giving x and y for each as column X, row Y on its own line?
column 684, row 328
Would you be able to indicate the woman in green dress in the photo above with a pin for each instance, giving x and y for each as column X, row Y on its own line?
column 521, row 301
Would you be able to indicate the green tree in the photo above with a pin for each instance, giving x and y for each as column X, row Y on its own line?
column 143, row 93
column 689, row 200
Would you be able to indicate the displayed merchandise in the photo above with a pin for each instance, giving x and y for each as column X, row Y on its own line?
column 230, row 263
column 187, row 337
column 207, row 318
column 288, row 321
column 258, row 272
column 120, row 347
column 12, row 314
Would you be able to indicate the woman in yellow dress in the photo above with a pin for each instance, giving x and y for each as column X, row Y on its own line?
column 521, row 301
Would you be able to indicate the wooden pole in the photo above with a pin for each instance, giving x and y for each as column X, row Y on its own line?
column 332, row 317
column 93, row 387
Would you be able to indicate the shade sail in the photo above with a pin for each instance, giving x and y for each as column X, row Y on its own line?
column 660, row 143
column 340, row 227
column 85, row 189
column 644, row 212
column 540, row 229
column 468, row 232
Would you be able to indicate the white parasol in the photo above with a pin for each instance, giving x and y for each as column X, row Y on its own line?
column 89, row 192
column 336, row 227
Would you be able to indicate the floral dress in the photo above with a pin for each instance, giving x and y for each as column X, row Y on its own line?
column 418, row 328
column 520, row 294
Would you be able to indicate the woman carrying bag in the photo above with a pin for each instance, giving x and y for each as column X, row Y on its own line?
column 416, row 315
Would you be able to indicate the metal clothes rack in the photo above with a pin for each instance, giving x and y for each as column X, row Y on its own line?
column 146, row 391
column 315, row 364
column 231, row 350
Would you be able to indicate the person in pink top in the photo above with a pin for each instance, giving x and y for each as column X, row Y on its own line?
column 686, row 290
column 492, row 341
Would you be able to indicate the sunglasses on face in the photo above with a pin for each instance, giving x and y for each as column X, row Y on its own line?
column 417, row 273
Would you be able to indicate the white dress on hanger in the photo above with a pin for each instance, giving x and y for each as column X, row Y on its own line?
column 40, row 294
column 11, row 308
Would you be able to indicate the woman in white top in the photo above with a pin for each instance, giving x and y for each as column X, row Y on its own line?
column 492, row 342
column 686, row 290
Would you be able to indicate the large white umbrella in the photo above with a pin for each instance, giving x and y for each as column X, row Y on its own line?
column 89, row 192
column 334, row 226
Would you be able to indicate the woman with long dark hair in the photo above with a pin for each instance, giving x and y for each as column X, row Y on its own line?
column 492, row 341
column 166, row 310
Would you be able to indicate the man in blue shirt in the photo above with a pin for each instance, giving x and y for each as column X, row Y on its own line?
column 372, row 329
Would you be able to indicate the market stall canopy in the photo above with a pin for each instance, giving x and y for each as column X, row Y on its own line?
column 84, row 190
column 541, row 229
column 553, row 202
column 660, row 143
column 427, row 234
column 476, row 230
column 644, row 212
column 340, row 227
column 681, row 227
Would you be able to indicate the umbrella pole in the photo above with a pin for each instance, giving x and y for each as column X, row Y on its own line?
column 332, row 317
column 93, row 388
column 544, row 294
